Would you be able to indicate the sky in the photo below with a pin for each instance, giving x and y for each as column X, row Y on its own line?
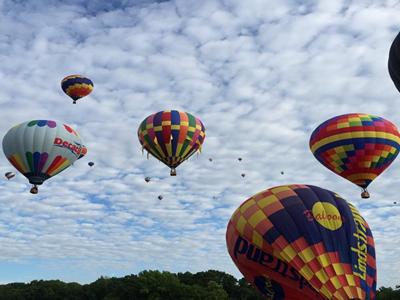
column 261, row 75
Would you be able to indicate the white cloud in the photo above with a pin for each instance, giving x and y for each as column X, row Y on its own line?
column 261, row 76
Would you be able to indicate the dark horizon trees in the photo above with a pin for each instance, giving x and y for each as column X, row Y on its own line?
column 149, row 285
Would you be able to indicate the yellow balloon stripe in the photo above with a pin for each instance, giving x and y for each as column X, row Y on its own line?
column 352, row 135
column 17, row 162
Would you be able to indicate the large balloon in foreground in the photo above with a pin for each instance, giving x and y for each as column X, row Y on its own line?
column 40, row 149
column 171, row 136
column 394, row 62
column 76, row 86
column 303, row 242
column 356, row 146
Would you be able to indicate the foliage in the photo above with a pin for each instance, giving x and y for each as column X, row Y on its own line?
column 149, row 285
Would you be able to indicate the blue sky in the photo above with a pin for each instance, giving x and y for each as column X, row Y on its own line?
column 261, row 75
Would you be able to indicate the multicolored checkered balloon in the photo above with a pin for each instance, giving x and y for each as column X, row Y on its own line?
column 171, row 136
column 357, row 147
column 303, row 242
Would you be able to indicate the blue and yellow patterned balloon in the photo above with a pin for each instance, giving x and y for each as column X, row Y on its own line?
column 76, row 86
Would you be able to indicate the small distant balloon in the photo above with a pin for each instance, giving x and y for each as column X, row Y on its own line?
column 210, row 159
column 282, row 172
column 90, row 164
column 147, row 179
column 243, row 174
column 239, row 159
column 76, row 86
column 394, row 202
column 160, row 197
column 9, row 175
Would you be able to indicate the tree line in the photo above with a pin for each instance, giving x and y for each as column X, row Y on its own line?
column 149, row 285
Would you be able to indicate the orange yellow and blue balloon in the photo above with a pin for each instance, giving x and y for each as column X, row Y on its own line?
column 303, row 242
column 356, row 146
column 171, row 136
column 40, row 149
column 76, row 86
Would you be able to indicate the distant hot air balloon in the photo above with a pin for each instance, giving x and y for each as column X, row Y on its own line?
column 282, row 173
column 210, row 159
column 303, row 242
column 9, row 175
column 76, row 86
column 90, row 164
column 40, row 149
column 357, row 147
column 147, row 179
column 243, row 174
column 239, row 159
column 394, row 62
column 160, row 197
column 171, row 136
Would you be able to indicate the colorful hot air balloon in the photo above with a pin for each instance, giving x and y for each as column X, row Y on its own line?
column 303, row 242
column 394, row 62
column 171, row 136
column 40, row 149
column 357, row 147
column 76, row 86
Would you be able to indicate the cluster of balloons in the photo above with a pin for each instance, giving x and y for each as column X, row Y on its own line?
column 40, row 149
column 305, row 242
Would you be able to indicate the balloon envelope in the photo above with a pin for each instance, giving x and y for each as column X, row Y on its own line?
column 76, row 86
column 40, row 149
column 171, row 136
column 305, row 239
column 394, row 62
column 356, row 146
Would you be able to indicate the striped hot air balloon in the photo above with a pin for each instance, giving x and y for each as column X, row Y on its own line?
column 303, row 242
column 76, row 86
column 356, row 146
column 40, row 149
column 171, row 136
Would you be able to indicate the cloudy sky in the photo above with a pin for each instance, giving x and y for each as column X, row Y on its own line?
column 260, row 74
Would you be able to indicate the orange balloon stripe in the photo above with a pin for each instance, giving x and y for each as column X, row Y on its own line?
column 65, row 163
column 17, row 163
column 58, row 160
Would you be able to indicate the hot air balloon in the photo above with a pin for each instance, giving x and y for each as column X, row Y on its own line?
column 90, row 164
column 282, row 173
column 239, row 159
column 394, row 62
column 243, row 175
column 356, row 146
column 171, row 136
column 303, row 242
column 147, row 179
column 76, row 86
column 160, row 197
column 40, row 149
column 210, row 159
column 9, row 175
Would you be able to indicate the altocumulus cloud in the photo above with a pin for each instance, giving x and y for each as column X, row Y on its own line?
column 261, row 75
